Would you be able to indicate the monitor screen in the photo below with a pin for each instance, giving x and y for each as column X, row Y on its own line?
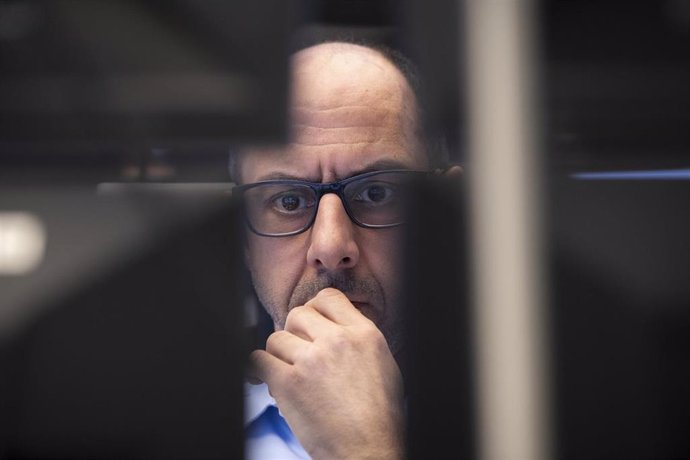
column 126, row 336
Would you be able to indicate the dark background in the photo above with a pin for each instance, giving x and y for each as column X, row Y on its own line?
column 613, row 89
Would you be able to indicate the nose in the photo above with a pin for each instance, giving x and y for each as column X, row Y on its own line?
column 333, row 245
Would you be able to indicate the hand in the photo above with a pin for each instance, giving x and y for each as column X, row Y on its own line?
column 335, row 380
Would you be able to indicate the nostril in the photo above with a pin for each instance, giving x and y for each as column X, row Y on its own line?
column 346, row 260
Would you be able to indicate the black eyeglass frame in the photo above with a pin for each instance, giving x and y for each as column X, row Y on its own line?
column 321, row 189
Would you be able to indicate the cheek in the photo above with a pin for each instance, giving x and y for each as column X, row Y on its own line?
column 383, row 253
column 275, row 264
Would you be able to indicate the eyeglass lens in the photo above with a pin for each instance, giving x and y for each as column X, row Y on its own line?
column 276, row 209
column 280, row 208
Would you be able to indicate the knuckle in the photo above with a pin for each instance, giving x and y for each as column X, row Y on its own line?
column 295, row 311
column 311, row 360
column 329, row 292
column 293, row 315
column 273, row 340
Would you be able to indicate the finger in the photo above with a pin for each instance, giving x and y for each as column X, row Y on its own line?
column 453, row 171
column 264, row 367
column 307, row 323
column 286, row 346
column 335, row 306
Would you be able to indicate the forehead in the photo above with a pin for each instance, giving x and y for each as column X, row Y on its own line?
column 349, row 108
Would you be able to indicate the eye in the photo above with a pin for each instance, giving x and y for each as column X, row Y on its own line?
column 375, row 194
column 291, row 202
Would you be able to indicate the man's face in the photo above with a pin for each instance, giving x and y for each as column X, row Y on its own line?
column 351, row 111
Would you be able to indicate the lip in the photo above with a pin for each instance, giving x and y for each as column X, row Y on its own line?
column 359, row 305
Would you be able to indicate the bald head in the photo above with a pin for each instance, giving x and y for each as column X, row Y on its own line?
column 346, row 96
column 345, row 79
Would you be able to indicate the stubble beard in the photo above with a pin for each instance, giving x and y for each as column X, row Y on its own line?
column 386, row 315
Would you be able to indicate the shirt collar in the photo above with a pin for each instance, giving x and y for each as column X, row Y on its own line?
column 256, row 401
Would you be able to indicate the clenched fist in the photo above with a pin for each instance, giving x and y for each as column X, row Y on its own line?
column 335, row 380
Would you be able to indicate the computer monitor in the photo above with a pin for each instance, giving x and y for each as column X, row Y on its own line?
column 128, row 339
column 123, row 334
column 619, row 304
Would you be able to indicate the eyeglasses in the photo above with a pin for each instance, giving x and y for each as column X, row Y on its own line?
column 288, row 207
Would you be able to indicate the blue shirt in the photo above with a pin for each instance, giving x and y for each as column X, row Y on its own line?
column 267, row 434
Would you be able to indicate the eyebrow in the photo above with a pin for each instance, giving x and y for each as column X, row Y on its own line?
column 380, row 165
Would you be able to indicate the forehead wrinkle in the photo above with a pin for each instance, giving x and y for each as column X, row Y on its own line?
column 334, row 128
column 350, row 136
column 344, row 116
column 348, row 101
column 335, row 100
column 330, row 109
column 325, row 169
column 340, row 84
column 353, row 143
